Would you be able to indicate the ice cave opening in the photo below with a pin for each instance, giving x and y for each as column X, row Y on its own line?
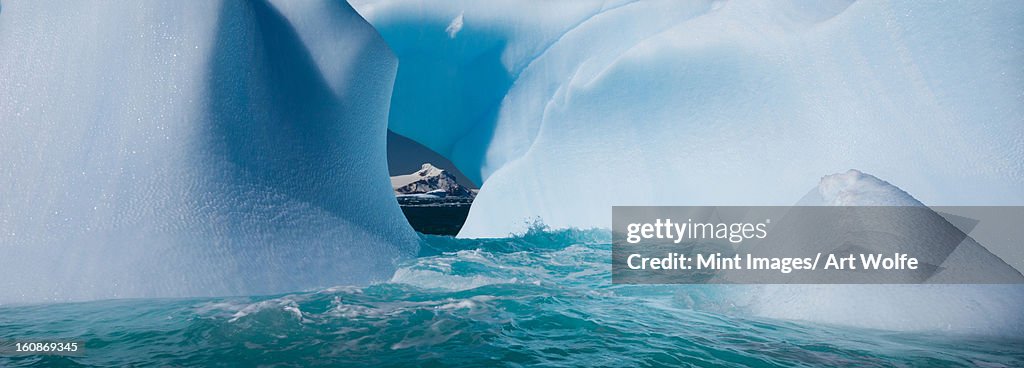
column 434, row 195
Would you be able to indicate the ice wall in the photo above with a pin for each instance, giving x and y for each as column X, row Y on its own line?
column 567, row 109
column 192, row 148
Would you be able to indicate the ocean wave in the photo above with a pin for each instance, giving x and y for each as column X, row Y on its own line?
column 541, row 298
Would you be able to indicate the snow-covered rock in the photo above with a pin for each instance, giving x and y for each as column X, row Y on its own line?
column 429, row 180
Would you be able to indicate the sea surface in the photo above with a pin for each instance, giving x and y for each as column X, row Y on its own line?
column 543, row 298
column 435, row 216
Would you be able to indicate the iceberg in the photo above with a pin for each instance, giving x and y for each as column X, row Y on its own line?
column 193, row 148
column 227, row 148
column 563, row 110
column 942, row 302
column 566, row 109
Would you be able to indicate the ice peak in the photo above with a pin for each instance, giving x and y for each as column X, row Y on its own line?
column 430, row 170
column 855, row 188
column 426, row 179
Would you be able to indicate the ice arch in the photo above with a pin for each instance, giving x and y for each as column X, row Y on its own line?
column 718, row 103
column 740, row 102
column 192, row 148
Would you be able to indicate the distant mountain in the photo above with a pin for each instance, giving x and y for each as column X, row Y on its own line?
column 429, row 180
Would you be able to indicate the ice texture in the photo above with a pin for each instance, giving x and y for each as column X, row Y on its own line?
column 193, row 148
column 567, row 108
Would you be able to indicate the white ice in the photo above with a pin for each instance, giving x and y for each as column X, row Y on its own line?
column 566, row 109
column 192, row 148
column 939, row 304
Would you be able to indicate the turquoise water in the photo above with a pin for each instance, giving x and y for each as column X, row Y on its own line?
column 544, row 298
